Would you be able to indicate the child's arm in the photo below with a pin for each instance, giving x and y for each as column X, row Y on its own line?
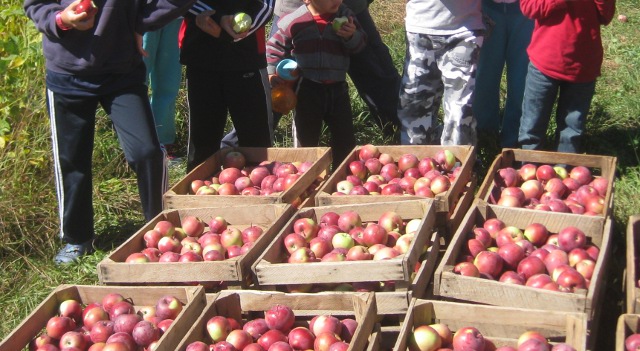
column 537, row 9
column 606, row 10
column 44, row 12
column 351, row 31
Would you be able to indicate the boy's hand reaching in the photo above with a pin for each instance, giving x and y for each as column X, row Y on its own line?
column 347, row 29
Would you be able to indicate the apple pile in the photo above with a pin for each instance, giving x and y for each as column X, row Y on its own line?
column 277, row 331
column 439, row 337
column 632, row 342
column 113, row 324
column 551, row 188
column 376, row 173
column 195, row 242
column 236, row 178
column 534, row 257
column 344, row 237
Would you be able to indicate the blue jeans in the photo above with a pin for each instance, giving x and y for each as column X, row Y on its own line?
column 574, row 101
column 505, row 45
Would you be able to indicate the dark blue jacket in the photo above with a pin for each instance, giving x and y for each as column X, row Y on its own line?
column 110, row 46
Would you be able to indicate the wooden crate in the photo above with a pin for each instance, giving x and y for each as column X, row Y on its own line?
column 604, row 166
column 270, row 270
column 631, row 279
column 192, row 297
column 235, row 271
column 444, row 202
column 628, row 324
column 501, row 325
column 241, row 304
column 454, row 286
column 383, row 338
column 179, row 195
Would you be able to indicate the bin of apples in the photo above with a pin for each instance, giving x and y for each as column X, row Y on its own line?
column 112, row 324
column 344, row 237
column 195, row 241
column 551, row 188
column 439, row 337
column 237, row 178
column 562, row 261
column 376, row 173
column 277, row 330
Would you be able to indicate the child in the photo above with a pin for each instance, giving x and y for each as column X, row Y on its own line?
column 505, row 45
column 94, row 60
column 322, row 52
column 566, row 56
column 444, row 38
column 226, row 74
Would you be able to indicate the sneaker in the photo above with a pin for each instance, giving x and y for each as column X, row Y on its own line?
column 71, row 252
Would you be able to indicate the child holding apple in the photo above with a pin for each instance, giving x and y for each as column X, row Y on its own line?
column 226, row 75
column 93, row 58
column 566, row 56
column 313, row 36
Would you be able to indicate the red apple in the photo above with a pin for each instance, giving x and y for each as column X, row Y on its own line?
column 536, row 233
column 489, row 263
column 530, row 266
column 581, row 174
column 348, row 220
column 168, row 307
column 280, row 317
column 368, row 151
column 468, row 338
column 570, row 238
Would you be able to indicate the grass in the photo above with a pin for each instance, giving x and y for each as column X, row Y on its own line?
column 28, row 208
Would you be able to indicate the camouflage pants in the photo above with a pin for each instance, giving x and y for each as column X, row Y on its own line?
column 439, row 69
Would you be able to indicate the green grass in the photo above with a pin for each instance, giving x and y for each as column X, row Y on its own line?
column 28, row 208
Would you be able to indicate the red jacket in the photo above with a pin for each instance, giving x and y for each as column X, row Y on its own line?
column 566, row 43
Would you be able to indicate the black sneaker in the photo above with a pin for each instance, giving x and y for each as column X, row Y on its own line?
column 71, row 252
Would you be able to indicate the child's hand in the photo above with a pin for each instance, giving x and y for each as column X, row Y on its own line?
column 227, row 23
column 80, row 21
column 207, row 24
column 347, row 29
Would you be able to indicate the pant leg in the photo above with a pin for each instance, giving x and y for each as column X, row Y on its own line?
column 165, row 77
column 540, row 94
column 574, row 102
column 309, row 113
column 375, row 76
column 72, row 135
column 207, row 114
column 420, row 92
column 248, row 96
column 132, row 118
column 339, row 121
column 458, row 65
column 519, row 29
column 486, row 100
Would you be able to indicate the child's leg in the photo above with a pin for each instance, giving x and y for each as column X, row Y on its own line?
column 519, row 29
column 339, row 120
column 207, row 114
column 420, row 92
column 309, row 113
column 165, row 82
column 249, row 99
column 133, row 120
column 72, row 134
column 458, row 66
column 573, row 106
column 539, row 95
